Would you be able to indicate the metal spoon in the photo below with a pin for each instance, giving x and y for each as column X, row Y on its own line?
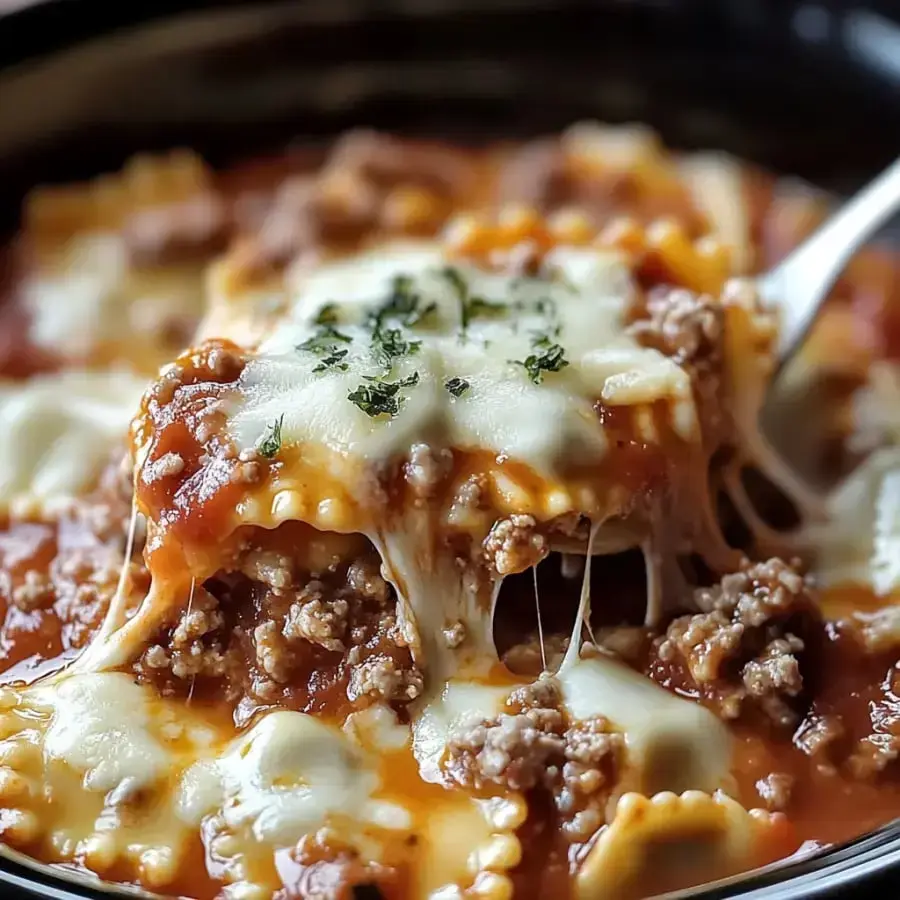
column 799, row 284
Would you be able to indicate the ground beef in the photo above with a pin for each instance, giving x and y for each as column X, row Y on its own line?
column 426, row 469
column 57, row 578
column 274, row 570
column 527, row 656
column 773, row 675
column 589, row 747
column 514, row 545
column 516, row 751
column 369, row 183
column 532, row 747
column 274, row 654
column 744, row 646
column 537, row 174
column 195, row 646
column 872, row 755
column 317, row 618
column 269, row 632
column 775, row 790
column 381, row 678
column 192, row 230
column 165, row 466
column 326, row 868
column 35, row 591
column 387, row 161
column 683, row 325
column 818, row 736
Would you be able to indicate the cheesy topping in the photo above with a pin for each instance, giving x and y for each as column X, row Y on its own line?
column 474, row 325
column 286, row 776
column 89, row 298
column 57, row 433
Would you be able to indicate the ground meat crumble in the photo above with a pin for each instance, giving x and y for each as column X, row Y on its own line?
column 514, row 545
column 686, row 326
column 532, row 747
column 689, row 328
column 275, row 634
column 743, row 647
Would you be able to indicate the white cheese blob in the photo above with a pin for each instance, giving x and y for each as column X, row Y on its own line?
column 57, row 431
column 672, row 744
column 103, row 727
column 284, row 778
column 88, row 295
column 459, row 700
column 860, row 543
column 579, row 305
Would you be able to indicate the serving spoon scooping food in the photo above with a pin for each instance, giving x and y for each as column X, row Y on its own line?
column 799, row 284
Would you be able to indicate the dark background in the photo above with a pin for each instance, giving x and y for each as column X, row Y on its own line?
column 806, row 88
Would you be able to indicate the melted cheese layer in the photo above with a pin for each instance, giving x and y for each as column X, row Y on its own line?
column 88, row 300
column 580, row 305
column 284, row 778
column 57, row 432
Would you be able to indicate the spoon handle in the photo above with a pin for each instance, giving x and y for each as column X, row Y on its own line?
column 798, row 285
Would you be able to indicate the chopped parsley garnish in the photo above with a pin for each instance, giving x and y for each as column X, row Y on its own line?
column 540, row 340
column 470, row 307
column 324, row 341
column 478, row 307
column 270, row 443
column 379, row 398
column 403, row 303
column 327, row 315
column 389, row 345
column 456, row 386
column 334, row 360
column 546, row 307
column 551, row 360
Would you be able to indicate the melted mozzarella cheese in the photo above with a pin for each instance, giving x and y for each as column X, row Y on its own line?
column 81, row 755
column 457, row 701
column 860, row 544
column 57, row 432
column 283, row 779
column 581, row 307
column 88, row 296
column 101, row 726
column 673, row 744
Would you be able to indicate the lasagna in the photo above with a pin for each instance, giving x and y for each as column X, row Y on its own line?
column 411, row 521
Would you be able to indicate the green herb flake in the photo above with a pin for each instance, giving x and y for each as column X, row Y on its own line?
column 403, row 303
column 324, row 341
column 335, row 360
column 551, row 360
column 270, row 443
column 380, row 398
column 479, row 308
column 327, row 315
column 547, row 307
column 457, row 386
column 389, row 345
column 470, row 307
